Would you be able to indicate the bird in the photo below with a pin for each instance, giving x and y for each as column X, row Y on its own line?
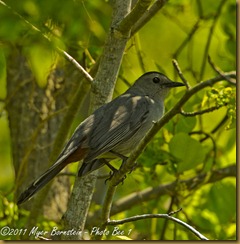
column 111, row 131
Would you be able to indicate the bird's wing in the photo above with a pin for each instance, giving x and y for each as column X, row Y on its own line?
column 105, row 128
column 78, row 141
column 119, row 122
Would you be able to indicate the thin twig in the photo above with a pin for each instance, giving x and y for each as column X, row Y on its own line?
column 220, row 72
column 210, row 36
column 188, row 38
column 179, row 71
column 169, row 189
column 139, row 53
column 220, row 124
column 59, row 50
column 192, row 114
column 76, row 64
column 165, row 222
column 175, row 211
column 162, row 216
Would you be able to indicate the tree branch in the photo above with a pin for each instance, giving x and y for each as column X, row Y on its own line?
column 147, row 16
column 150, row 193
column 220, row 72
column 210, row 36
column 76, row 64
column 102, row 90
column 179, row 71
column 207, row 110
column 126, row 24
column 188, row 38
column 162, row 216
column 59, row 50
column 169, row 189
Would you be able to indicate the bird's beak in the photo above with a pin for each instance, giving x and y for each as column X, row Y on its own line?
column 173, row 84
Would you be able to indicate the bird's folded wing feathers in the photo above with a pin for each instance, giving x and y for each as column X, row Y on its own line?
column 78, row 138
column 108, row 126
column 124, row 123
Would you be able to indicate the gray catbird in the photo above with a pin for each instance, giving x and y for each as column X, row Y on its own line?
column 113, row 130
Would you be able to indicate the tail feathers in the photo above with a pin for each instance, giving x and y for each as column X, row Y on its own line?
column 40, row 182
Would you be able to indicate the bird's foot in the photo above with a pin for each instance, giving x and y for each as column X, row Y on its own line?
column 121, row 180
column 112, row 173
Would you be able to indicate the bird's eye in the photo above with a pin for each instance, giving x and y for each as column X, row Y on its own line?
column 156, row 79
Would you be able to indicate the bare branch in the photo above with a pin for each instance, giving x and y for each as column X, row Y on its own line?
column 161, row 216
column 165, row 222
column 148, row 15
column 188, row 38
column 220, row 124
column 59, row 50
column 207, row 110
column 139, row 53
column 169, row 189
column 210, row 36
column 76, row 64
column 220, row 72
column 107, row 73
column 150, row 193
column 176, row 66
column 175, row 211
column 126, row 24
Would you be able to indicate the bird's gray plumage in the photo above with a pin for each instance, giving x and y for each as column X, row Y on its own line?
column 117, row 127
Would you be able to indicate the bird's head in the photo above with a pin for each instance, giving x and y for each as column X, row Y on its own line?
column 154, row 85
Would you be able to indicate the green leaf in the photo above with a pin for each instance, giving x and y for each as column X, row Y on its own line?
column 186, row 124
column 187, row 151
column 222, row 201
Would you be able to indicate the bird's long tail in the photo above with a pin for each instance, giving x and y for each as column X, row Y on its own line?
column 41, row 182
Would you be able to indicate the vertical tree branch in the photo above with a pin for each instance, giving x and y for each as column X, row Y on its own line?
column 147, row 16
column 102, row 90
column 209, row 39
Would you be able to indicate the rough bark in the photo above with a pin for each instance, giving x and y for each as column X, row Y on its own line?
column 34, row 115
column 102, row 90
